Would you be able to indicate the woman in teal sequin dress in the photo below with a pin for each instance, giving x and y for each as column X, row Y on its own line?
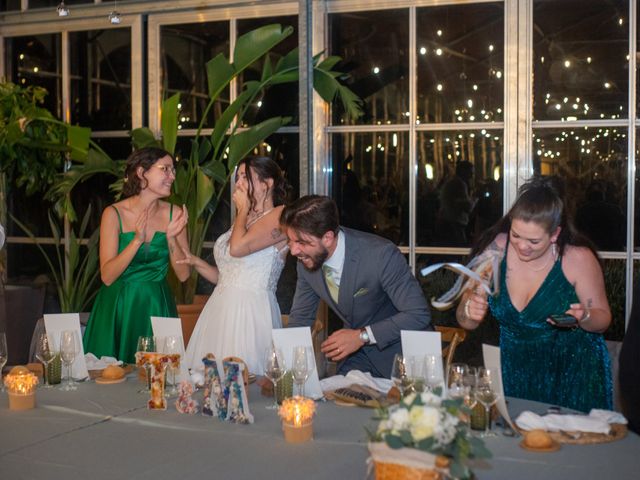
column 139, row 237
column 546, row 268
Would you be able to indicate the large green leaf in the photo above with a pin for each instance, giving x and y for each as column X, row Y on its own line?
column 143, row 137
column 219, row 73
column 169, row 123
column 256, row 43
column 205, row 191
column 78, row 141
column 325, row 83
column 241, row 144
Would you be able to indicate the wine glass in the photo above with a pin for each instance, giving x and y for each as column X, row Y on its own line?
column 274, row 370
column 3, row 357
column 455, row 381
column 486, row 393
column 434, row 377
column 69, row 349
column 416, row 373
column 400, row 374
column 46, row 351
column 302, row 366
column 146, row 344
column 173, row 344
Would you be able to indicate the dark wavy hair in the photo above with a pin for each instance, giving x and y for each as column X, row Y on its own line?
column 265, row 168
column 540, row 200
column 144, row 157
column 312, row 214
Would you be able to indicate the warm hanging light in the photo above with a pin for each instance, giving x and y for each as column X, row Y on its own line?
column 62, row 10
column 114, row 16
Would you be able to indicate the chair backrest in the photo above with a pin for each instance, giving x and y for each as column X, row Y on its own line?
column 451, row 337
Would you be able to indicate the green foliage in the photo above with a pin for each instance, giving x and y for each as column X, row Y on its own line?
column 75, row 271
column 31, row 143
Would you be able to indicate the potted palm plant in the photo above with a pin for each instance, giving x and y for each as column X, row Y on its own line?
column 202, row 175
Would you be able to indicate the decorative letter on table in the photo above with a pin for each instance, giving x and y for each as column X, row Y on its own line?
column 237, row 403
column 159, row 362
column 215, row 402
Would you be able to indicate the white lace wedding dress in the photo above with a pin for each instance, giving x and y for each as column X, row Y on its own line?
column 240, row 314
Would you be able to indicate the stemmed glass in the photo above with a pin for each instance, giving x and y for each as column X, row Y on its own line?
column 487, row 395
column 455, row 383
column 69, row 349
column 274, row 370
column 400, row 374
column 3, row 357
column 416, row 373
column 173, row 344
column 434, row 377
column 146, row 344
column 303, row 364
column 46, row 351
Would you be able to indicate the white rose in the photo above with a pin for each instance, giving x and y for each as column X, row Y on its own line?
column 424, row 421
column 399, row 419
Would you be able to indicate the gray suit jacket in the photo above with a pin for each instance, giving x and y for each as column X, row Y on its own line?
column 377, row 289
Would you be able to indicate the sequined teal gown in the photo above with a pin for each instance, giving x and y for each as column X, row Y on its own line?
column 559, row 366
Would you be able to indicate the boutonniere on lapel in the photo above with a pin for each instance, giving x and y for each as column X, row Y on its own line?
column 362, row 291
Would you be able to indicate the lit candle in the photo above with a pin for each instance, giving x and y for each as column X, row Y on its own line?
column 297, row 419
column 21, row 385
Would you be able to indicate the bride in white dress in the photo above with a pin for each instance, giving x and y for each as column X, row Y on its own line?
column 240, row 314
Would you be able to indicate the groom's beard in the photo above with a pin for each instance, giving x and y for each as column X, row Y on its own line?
column 315, row 261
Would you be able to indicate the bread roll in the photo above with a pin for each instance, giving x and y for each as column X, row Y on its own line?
column 113, row 372
column 538, row 439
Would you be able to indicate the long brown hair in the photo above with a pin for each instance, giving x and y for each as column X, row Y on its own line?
column 265, row 168
column 144, row 157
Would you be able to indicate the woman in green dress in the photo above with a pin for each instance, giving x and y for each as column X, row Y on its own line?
column 139, row 237
column 546, row 270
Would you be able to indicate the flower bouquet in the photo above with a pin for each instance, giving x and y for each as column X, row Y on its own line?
column 423, row 437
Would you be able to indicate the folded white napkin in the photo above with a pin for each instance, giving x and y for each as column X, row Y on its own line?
column 95, row 363
column 356, row 376
column 592, row 423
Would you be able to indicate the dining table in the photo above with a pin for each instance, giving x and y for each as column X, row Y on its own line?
column 105, row 431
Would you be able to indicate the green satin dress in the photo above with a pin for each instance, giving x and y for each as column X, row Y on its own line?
column 121, row 312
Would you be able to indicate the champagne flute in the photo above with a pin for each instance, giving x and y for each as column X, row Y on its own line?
column 303, row 364
column 399, row 374
column 274, row 370
column 46, row 351
column 455, row 382
column 69, row 349
column 3, row 357
column 173, row 344
column 146, row 344
column 416, row 372
column 487, row 394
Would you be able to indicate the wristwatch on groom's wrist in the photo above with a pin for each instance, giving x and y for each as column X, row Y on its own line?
column 364, row 336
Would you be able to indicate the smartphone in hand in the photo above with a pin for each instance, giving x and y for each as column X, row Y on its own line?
column 563, row 320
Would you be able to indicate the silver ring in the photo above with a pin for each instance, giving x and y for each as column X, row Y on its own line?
column 466, row 308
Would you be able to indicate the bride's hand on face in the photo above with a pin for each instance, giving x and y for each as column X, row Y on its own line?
column 241, row 199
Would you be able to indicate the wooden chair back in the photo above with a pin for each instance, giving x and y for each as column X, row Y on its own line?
column 451, row 338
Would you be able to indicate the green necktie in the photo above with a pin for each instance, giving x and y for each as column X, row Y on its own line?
column 331, row 284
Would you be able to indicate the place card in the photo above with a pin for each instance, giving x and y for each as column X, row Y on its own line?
column 491, row 356
column 419, row 343
column 55, row 324
column 169, row 327
column 286, row 339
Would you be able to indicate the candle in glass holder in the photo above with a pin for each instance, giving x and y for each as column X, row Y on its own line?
column 21, row 386
column 297, row 419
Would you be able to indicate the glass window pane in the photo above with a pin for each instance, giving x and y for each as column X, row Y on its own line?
column 580, row 59
column 100, row 63
column 284, row 148
column 615, row 272
column 279, row 100
column 460, row 63
column 374, row 47
column 185, row 51
column 37, row 60
column 459, row 193
column 118, row 148
column 593, row 163
column 8, row 5
column 370, row 183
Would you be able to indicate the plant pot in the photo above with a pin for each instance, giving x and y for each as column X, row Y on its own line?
column 189, row 315
column 406, row 463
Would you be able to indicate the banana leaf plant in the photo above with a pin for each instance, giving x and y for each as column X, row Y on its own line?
column 75, row 268
column 202, row 175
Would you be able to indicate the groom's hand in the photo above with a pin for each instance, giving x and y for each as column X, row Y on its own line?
column 341, row 344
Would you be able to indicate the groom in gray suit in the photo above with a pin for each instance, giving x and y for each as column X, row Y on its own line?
column 363, row 278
